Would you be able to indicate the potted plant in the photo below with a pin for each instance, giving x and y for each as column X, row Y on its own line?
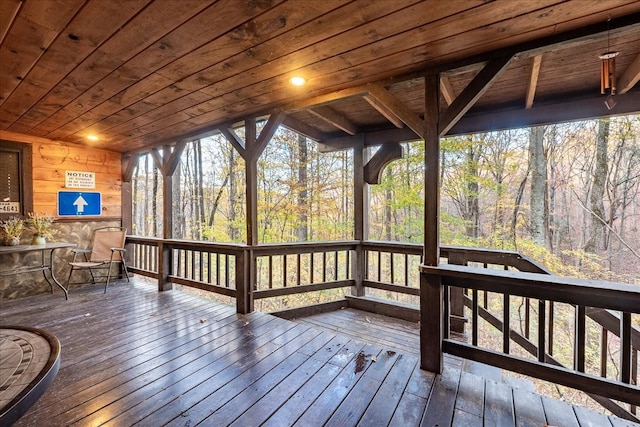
column 12, row 229
column 41, row 226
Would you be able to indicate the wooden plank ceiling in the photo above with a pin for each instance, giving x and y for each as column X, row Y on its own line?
column 141, row 73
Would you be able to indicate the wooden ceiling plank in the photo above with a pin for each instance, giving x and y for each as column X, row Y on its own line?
column 363, row 34
column 35, row 27
column 139, row 32
column 222, row 16
column 334, row 118
column 533, row 80
column 91, row 26
column 446, row 90
column 306, row 34
column 330, row 65
column 471, row 93
column 8, row 12
column 630, row 76
column 380, row 96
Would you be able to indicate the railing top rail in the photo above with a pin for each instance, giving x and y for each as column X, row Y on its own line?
column 303, row 247
column 591, row 293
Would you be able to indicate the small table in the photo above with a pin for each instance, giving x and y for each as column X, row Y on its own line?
column 30, row 361
column 44, row 267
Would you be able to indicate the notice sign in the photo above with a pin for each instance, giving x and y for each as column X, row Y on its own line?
column 75, row 179
column 71, row 203
column 10, row 207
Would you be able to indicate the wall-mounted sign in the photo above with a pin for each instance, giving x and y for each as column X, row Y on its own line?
column 75, row 179
column 10, row 207
column 74, row 203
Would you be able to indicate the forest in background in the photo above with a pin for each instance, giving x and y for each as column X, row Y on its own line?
column 566, row 195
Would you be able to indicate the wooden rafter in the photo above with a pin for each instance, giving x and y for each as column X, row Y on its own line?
column 334, row 118
column 479, row 85
column 533, row 80
column 630, row 76
column 394, row 110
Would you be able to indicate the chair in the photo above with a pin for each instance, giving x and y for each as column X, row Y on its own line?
column 107, row 248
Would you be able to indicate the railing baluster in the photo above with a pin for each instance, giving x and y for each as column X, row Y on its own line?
column 284, row 271
column 324, row 266
column 379, row 266
column 298, row 267
column 218, row 269
column 393, row 277
column 580, row 339
column 270, row 261
column 209, row 256
column 406, row 269
column 311, row 267
column 226, row 270
column 625, row 347
column 506, row 328
column 446, row 327
column 527, row 317
column 604, row 344
column 550, row 330
column 201, row 266
column 541, row 330
column 347, row 265
column 335, row 261
column 474, row 317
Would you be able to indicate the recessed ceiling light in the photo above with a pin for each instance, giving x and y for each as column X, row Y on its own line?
column 92, row 138
column 297, row 81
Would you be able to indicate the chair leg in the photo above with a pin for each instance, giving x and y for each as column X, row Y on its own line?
column 126, row 272
column 106, row 284
column 69, row 278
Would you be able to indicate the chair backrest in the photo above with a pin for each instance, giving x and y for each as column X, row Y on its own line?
column 104, row 239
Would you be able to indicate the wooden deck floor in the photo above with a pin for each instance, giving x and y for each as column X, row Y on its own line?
column 138, row 357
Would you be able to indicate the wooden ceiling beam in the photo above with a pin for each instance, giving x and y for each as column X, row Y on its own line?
column 478, row 86
column 447, row 90
column 324, row 99
column 256, row 149
column 581, row 108
column 302, row 128
column 334, row 118
column 630, row 77
column 533, row 80
column 393, row 109
column 371, row 139
column 375, row 166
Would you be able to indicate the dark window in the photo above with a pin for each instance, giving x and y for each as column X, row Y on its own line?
column 16, row 194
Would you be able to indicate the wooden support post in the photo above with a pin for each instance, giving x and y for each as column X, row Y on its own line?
column 431, row 293
column 360, row 217
column 244, row 302
column 456, row 297
column 431, row 322
column 164, row 267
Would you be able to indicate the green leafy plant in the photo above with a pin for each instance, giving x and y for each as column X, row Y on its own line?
column 41, row 225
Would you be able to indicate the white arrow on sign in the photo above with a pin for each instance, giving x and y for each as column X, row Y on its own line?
column 80, row 203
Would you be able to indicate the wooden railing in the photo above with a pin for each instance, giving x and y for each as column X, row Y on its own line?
column 597, row 298
column 276, row 271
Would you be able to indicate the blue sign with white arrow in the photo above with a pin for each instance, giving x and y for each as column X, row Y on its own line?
column 75, row 203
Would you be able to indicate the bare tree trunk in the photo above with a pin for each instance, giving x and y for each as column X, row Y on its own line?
column 596, row 204
column 539, row 220
column 303, row 183
column 233, row 196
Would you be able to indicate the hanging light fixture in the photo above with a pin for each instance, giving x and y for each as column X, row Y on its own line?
column 608, row 73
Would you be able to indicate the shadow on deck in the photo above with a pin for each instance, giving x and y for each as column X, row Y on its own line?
column 136, row 356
